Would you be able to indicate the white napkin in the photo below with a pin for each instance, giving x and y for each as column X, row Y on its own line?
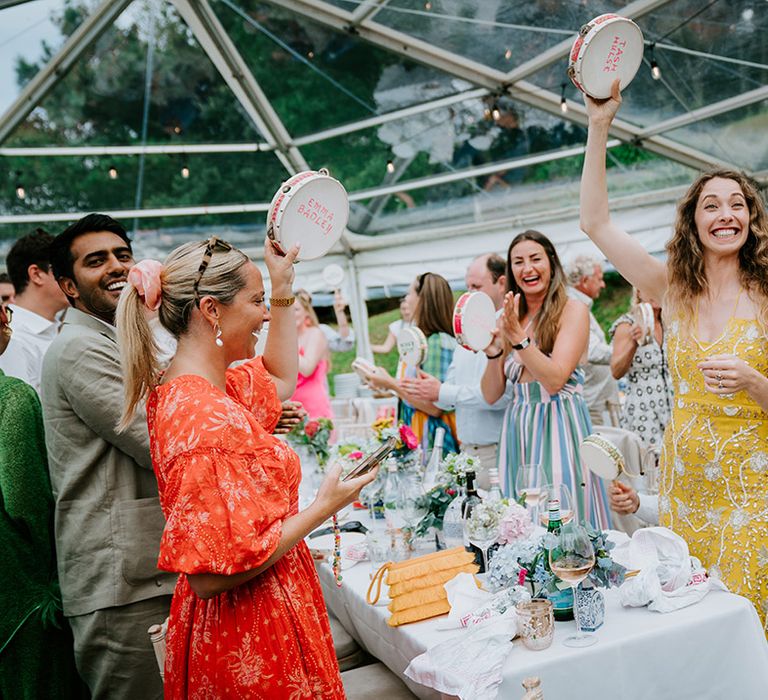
column 669, row 577
column 469, row 665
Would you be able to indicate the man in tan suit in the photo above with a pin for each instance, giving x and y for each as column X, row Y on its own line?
column 108, row 518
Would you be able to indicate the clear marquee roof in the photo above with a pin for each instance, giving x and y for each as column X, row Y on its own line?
column 437, row 113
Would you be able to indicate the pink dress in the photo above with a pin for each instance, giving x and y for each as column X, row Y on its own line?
column 312, row 391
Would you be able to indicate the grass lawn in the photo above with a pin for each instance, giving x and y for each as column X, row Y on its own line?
column 613, row 302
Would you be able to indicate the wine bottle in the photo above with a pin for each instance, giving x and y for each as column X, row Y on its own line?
column 562, row 600
column 453, row 523
column 470, row 501
column 432, row 472
column 494, row 491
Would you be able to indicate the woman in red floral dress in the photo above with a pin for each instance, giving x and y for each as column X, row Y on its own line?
column 247, row 618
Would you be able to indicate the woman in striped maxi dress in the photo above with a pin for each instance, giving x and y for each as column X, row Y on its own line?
column 541, row 338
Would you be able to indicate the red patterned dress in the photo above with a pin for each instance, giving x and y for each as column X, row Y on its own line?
column 226, row 485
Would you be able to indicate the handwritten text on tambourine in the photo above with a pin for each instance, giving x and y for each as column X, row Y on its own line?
column 614, row 55
column 317, row 213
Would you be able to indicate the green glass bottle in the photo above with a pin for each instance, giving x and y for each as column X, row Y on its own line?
column 562, row 600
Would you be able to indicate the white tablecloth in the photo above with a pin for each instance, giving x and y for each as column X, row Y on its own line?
column 715, row 649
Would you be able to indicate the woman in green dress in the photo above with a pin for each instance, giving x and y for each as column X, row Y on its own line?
column 36, row 656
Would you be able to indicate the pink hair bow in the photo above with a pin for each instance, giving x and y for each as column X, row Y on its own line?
column 145, row 278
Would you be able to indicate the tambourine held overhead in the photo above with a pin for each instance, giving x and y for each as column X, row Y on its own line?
column 311, row 209
column 474, row 318
column 412, row 346
column 333, row 275
column 608, row 47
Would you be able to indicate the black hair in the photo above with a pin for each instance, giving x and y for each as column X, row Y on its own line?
column 32, row 249
column 5, row 278
column 61, row 248
column 496, row 266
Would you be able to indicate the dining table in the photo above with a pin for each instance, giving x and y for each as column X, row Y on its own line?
column 712, row 650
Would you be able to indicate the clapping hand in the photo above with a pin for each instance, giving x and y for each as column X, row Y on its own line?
column 424, row 387
column 293, row 413
column 509, row 328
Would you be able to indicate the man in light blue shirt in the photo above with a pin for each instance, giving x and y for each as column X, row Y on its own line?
column 478, row 424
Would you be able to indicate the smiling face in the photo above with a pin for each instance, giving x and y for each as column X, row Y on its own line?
column 722, row 217
column 530, row 267
column 101, row 263
column 241, row 321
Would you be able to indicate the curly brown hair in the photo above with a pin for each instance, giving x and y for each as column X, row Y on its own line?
column 685, row 261
column 547, row 322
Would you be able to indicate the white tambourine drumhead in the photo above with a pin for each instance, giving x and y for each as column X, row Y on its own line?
column 361, row 366
column 606, row 48
column 311, row 209
column 474, row 318
column 642, row 315
column 333, row 275
column 601, row 457
column 412, row 346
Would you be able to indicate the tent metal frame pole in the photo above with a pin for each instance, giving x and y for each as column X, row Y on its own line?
column 710, row 110
column 490, row 78
column 359, row 311
column 50, row 75
column 215, row 42
column 367, row 10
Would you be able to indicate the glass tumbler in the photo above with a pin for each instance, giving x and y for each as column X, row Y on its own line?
column 536, row 624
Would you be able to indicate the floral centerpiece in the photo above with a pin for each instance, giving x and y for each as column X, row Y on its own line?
column 315, row 434
column 524, row 557
column 452, row 476
column 406, row 450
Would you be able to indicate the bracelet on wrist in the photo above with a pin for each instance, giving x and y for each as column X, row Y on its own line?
column 282, row 301
column 496, row 356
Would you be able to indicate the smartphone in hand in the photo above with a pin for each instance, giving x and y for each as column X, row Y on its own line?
column 373, row 459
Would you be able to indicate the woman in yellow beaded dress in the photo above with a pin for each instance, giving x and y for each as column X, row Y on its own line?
column 713, row 485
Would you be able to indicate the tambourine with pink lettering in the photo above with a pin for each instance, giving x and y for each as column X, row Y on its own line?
column 642, row 314
column 474, row 318
column 412, row 346
column 606, row 48
column 312, row 209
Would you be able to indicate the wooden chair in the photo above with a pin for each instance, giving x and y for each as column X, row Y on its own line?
column 157, row 637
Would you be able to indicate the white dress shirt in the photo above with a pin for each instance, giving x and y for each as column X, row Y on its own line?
column 477, row 422
column 32, row 334
column 599, row 385
column 335, row 342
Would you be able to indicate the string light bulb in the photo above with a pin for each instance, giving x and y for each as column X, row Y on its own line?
column 655, row 70
column 112, row 172
column 185, row 171
column 390, row 167
column 508, row 54
column 496, row 113
column 310, row 55
column 487, row 113
column 427, row 5
column 21, row 193
column 563, row 102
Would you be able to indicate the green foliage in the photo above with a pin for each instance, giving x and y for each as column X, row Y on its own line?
column 614, row 301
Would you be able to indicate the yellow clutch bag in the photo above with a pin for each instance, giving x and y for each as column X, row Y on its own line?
column 416, row 586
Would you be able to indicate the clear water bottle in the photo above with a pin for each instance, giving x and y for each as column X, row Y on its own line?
column 390, row 496
column 494, row 491
column 453, row 523
column 432, row 472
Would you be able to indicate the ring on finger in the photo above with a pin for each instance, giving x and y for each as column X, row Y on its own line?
column 719, row 377
column 720, row 384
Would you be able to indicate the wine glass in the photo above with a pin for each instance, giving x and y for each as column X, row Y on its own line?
column 559, row 492
column 528, row 482
column 571, row 560
column 482, row 533
column 411, row 502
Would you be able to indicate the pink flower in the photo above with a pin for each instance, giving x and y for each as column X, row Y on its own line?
column 408, row 437
column 515, row 525
column 311, row 428
column 355, row 455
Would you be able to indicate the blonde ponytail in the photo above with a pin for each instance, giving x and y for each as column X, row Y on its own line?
column 138, row 352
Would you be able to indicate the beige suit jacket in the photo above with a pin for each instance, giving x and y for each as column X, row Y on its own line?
column 108, row 519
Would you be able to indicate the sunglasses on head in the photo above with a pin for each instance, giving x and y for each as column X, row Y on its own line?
column 214, row 243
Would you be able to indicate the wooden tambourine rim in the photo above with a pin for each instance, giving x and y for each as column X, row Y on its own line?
column 421, row 340
column 607, row 449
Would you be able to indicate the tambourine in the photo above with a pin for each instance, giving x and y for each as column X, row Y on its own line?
column 311, row 209
column 602, row 458
column 333, row 275
column 412, row 346
column 606, row 48
column 642, row 314
column 362, row 368
column 474, row 318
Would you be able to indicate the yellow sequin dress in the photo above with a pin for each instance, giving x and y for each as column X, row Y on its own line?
column 713, row 487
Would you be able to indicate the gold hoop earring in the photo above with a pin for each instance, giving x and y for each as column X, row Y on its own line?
column 219, row 341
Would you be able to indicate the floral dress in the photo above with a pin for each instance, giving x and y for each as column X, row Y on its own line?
column 649, row 394
column 226, row 486
column 714, row 463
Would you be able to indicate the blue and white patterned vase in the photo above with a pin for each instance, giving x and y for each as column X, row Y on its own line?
column 590, row 607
